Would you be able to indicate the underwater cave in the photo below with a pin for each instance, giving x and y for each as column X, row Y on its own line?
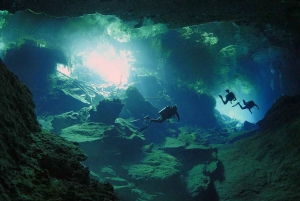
column 100, row 74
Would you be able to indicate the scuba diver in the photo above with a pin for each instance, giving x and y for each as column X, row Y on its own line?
column 248, row 105
column 166, row 113
column 229, row 97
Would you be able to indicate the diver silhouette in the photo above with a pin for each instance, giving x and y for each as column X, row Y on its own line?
column 248, row 105
column 165, row 113
column 229, row 97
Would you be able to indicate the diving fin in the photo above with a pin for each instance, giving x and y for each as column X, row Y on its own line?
column 146, row 117
column 236, row 104
column 144, row 128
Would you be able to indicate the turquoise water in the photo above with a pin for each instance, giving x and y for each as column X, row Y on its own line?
column 73, row 65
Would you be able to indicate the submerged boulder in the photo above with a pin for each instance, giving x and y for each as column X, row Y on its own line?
column 136, row 106
column 200, row 181
column 112, row 141
column 58, row 168
column 85, row 132
column 189, row 151
column 107, row 111
column 67, row 119
column 197, row 181
column 158, row 172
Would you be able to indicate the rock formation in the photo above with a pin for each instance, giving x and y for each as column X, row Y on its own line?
column 175, row 13
column 107, row 111
column 38, row 165
column 285, row 109
column 265, row 166
column 35, row 165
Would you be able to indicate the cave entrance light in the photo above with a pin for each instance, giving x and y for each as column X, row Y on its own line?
column 112, row 66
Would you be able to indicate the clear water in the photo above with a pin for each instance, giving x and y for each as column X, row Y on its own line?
column 98, row 57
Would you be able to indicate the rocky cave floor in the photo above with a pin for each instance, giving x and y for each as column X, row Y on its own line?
column 166, row 162
column 172, row 162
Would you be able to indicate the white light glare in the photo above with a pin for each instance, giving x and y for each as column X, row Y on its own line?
column 113, row 67
column 61, row 68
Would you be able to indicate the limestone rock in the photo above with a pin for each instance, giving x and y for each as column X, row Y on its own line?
column 173, row 143
column 285, row 109
column 124, row 138
column 265, row 165
column 38, row 165
column 136, row 106
column 188, row 151
column 157, row 167
column 108, row 143
column 68, row 119
column 249, row 126
column 107, row 172
column 106, row 111
column 157, row 172
column 197, row 181
column 211, row 168
column 17, row 122
column 175, row 13
column 85, row 132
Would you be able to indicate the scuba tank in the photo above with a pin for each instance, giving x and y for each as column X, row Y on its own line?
column 250, row 104
column 164, row 111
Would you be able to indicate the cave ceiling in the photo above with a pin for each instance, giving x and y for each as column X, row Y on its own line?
column 255, row 55
column 174, row 13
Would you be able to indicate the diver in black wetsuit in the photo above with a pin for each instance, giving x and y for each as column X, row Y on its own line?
column 229, row 97
column 166, row 113
column 248, row 105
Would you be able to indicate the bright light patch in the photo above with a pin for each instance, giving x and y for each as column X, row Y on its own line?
column 112, row 66
column 2, row 49
column 63, row 69
column 2, row 46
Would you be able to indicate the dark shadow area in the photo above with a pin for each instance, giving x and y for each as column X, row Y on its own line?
column 33, row 65
column 211, row 193
column 218, row 175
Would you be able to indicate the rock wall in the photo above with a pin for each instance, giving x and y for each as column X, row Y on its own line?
column 37, row 165
column 176, row 13
column 17, row 122
column 265, row 166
